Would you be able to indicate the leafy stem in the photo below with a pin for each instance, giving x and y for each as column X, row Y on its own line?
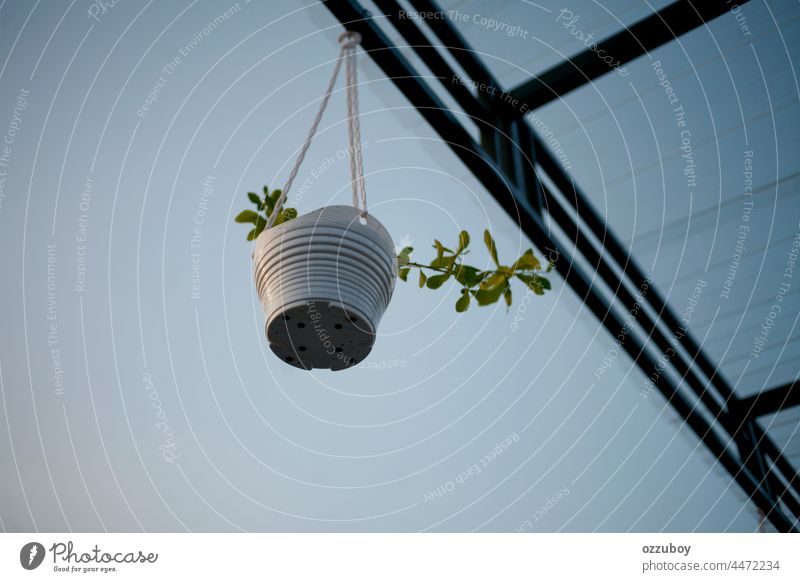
column 439, row 269
column 483, row 286
column 264, row 207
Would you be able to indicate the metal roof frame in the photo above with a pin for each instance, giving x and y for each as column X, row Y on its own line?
column 511, row 160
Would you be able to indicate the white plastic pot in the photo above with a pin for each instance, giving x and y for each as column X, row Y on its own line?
column 324, row 281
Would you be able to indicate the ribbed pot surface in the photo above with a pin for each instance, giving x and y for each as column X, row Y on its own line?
column 324, row 281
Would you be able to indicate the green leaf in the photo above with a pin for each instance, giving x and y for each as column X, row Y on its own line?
column 527, row 262
column 261, row 224
column 255, row 199
column 494, row 280
column 535, row 283
column 403, row 274
column 422, row 279
column 443, row 262
column 247, row 216
column 439, row 249
column 286, row 215
column 487, row 238
column 266, row 190
column 467, row 276
column 507, row 296
column 463, row 302
column 252, row 234
column 271, row 199
column 489, row 296
column 528, row 279
column 404, row 256
column 463, row 240
column 436, row 281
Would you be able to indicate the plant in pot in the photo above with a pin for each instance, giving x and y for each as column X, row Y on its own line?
column 325, row 278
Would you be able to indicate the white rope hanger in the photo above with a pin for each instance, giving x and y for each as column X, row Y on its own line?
column 349, row 40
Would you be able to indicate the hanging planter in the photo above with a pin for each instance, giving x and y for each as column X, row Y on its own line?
column 325, row 279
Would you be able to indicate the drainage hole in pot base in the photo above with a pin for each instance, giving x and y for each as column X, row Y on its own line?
column 319, row 334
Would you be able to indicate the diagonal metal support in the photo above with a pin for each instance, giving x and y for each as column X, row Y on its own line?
column 524, row 197
column 647, row 34
column 771, row 400
column 433, row 59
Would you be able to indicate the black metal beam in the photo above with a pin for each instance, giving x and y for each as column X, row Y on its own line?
column 665, row 343
column 628, row 44
column 455, row 43
column 433, row 59
column 768, row 489
column 613, row 248
column 771, row 400
column 509, row 192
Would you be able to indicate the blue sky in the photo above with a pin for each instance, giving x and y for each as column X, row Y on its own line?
column 131, row 404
